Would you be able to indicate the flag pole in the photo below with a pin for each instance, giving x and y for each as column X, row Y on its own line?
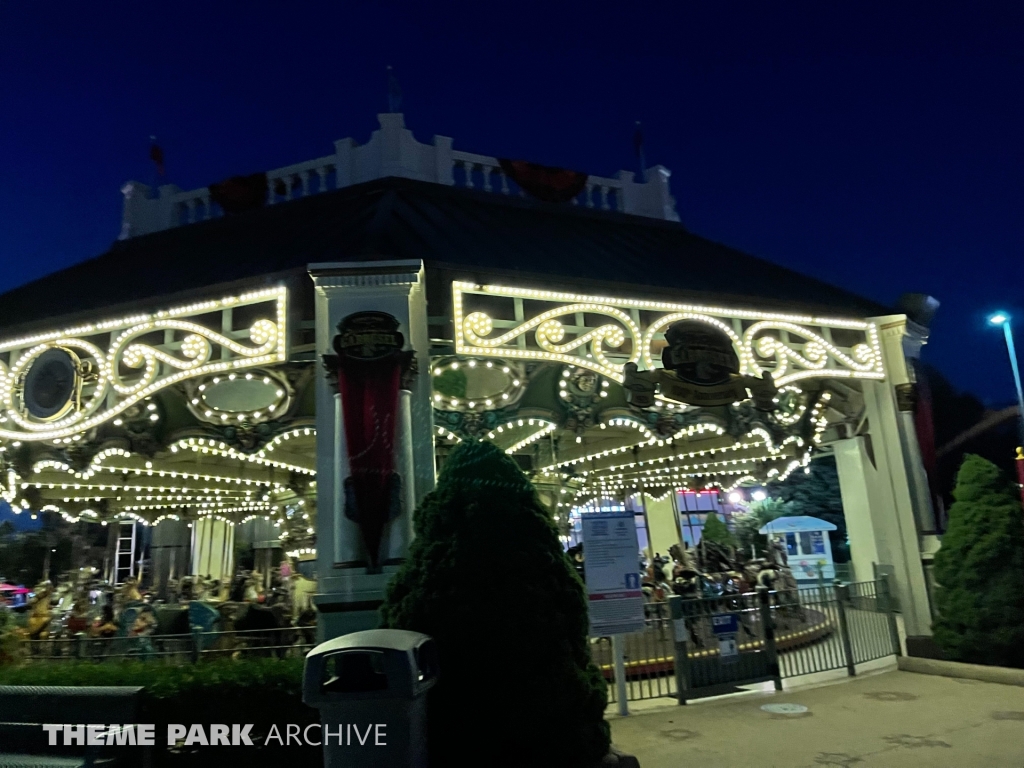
column 638, row 146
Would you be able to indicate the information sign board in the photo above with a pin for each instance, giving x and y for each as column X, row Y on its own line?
column 611, row 563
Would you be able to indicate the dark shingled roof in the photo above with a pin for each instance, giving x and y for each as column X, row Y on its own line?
column 463, row 230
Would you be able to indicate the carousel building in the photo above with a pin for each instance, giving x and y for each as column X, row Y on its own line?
column 287, row 357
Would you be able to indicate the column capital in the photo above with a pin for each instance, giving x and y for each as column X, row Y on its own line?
column 366, row 274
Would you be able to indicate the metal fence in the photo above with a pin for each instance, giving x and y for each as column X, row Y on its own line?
column 781, row 634
column 649, row 658
column 282, row 642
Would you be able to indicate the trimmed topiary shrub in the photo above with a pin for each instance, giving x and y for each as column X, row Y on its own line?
column 979, row 571
column 487, row 579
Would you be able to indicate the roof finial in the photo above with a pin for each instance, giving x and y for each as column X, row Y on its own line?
column 394, row 92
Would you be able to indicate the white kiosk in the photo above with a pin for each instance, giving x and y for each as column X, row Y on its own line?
column 808, row 548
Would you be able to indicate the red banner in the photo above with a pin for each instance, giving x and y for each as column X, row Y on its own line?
column 369, row 397
column 370, row 365
column 553, row 185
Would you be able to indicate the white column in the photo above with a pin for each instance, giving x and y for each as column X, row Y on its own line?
column 663, row 531
column 878, row 476
column 213, row 549
column 348, row 540
column 399, row 532
column 347, row 596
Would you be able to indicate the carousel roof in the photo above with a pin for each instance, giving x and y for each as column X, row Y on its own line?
column 198, row 407
column 395, row 218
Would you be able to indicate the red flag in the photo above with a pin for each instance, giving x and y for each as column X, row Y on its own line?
column 157, row 156
column 553, row 185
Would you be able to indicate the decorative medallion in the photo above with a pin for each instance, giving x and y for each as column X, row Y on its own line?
column 53, row 384
column 701, row 368
column 368, row 336
column 700, row 354
column 581, row 390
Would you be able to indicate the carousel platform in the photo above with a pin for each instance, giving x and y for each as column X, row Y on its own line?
column 652, row 652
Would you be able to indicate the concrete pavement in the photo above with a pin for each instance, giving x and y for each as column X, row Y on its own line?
column 893, row 720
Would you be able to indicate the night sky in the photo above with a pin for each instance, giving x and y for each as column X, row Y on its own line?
column 875, row 146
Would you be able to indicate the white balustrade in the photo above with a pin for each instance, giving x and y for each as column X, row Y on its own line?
column 391, row 151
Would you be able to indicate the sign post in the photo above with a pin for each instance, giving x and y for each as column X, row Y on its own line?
column 615, row 600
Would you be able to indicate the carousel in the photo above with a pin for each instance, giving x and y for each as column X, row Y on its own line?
column 214, row 381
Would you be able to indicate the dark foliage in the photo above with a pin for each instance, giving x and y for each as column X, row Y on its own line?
column 717, row 531
column 954, row 413
column 979, row 570
column 259, row 691
column 517, row 685
column 817, row 494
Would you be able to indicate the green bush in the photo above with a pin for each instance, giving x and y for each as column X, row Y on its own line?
column 717, row 532
column 487, row 579
column 451, row 382
column 258, row 691
column 979, row 570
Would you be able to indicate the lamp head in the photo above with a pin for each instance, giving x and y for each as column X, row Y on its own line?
column 999, row 318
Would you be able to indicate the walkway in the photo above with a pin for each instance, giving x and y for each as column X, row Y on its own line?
column 890, row 720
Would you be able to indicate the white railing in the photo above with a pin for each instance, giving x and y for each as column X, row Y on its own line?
column 301, row 179
column 483, row 172
column 391, row 151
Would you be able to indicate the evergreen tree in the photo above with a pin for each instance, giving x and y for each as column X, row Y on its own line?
column 817, row 494
column 717, row 532
column 979, row 571
column 488, row 580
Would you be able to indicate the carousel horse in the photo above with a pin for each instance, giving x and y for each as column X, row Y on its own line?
column 104, row 626
column 301, row 591
column 713, row 557
column 783, row 586
column 270, row 620
column 127, row 594
column 186, row 589
column 78, row 621
column 135, row 624
column 253, row 587
column 236, row 592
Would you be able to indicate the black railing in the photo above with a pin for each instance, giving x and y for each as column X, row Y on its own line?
column 780, row 634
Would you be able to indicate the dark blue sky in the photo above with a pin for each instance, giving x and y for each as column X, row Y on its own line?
column 876, row 146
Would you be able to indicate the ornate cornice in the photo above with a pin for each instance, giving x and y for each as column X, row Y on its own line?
column 120, row 364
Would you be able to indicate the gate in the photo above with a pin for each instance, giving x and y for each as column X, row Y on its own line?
column 688, row 649
column 723, row 643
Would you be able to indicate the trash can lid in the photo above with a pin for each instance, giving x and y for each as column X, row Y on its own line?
column 378, row 639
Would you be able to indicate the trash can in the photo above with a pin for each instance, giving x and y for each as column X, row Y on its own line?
column 371, row 690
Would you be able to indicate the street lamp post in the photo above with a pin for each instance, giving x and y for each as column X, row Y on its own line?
column 1003, row 319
